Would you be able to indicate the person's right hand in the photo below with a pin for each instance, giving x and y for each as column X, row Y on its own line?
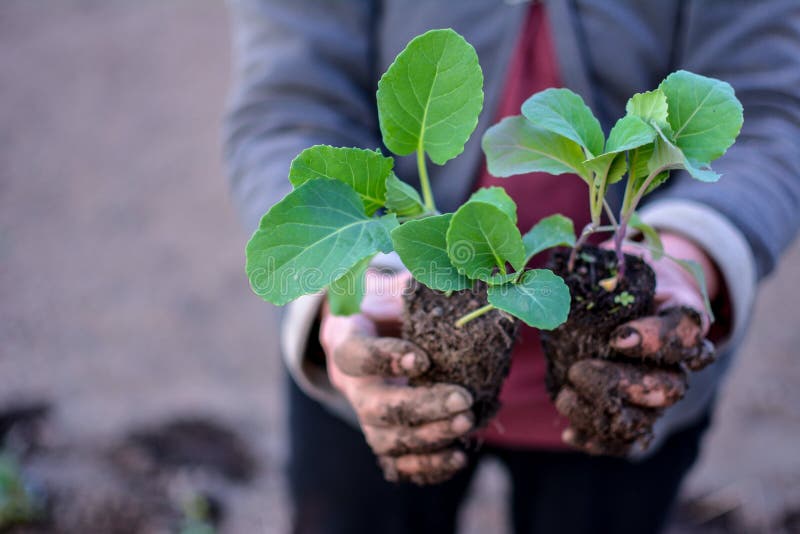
column 410, row 429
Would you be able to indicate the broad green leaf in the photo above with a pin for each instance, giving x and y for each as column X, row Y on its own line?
column 617, row 169
column 422, row 247
column 651, row 107
column 515, row 146
column 497, row 197
column 639, row 167
column 430, row 97
column 668, row 156
column 563, row 112
column 694, row 268
column 401, row 198
column 346, row 293
column 553, row 231
column 628, row 133
column 612, row 165
column 704, row 114
column 310, row 238
column 363, row 170
column 482, row 238
column 650, row 234
column 540, row 299
column 500, row 279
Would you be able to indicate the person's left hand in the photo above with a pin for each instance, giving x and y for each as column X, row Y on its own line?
column 612, row 405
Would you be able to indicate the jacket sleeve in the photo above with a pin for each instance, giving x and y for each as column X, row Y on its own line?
column 303, row 76
column 756, row 47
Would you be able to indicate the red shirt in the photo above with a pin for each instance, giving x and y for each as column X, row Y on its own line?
column 527, row 417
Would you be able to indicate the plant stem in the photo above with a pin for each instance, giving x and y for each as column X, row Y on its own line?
column 619, row 236
column 427, row 194
column 628, row 208
column 474, row 315
column 610, row 215
column 588, row 230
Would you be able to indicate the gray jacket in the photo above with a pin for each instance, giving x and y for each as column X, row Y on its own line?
column 306, row 73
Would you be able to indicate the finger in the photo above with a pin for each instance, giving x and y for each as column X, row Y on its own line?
column 424, row 438
column 422, row 469
column 380, row 356
column 387, row 405
column 610, row 422
column 383, row 302
column 594, row 446
column 671, row 337
column 648, row 387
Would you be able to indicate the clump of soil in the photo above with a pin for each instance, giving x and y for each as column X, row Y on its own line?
column 150, row 481
column 595, row 312
column 187, row 443
column 476, row 356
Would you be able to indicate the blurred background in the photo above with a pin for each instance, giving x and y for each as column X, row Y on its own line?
column 140, row 383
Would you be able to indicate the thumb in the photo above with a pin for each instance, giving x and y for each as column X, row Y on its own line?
column 383, row 302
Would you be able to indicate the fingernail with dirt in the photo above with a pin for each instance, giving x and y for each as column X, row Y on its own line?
column 457, row 460
column 457, row 402
column 408, row 361
column 626, row 338
column 461, row 424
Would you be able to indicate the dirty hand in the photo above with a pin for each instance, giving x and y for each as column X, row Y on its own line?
column 612, row 405
column 411, row 429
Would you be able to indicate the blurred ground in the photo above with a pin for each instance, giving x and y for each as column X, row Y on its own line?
column 122, row 295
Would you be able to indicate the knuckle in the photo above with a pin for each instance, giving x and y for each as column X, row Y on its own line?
column 425, row 468
column 378, row 439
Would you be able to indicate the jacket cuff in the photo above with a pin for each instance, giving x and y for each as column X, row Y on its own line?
column 723, row 243
column 297, row 327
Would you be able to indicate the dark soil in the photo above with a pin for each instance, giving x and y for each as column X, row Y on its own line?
column 140, row 484
column 187, row 443
column 595, row 312
column 476, row 356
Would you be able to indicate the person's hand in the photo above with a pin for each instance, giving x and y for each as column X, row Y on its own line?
column 411, row 429
column 612, row 405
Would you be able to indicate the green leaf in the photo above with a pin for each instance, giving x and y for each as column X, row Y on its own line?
column 515, row 146
column 612, row 166
column 628, row 133
column 500, row 279
column 481, row 238
column 363, row 170
column 617, row 169
column 422, row 247
column 650, row 234
column 497, row 197
column 401, row 198
column 553, row 231
column 346, row 293
column 430, row 97
column 563, row 112
column 310, row 238
column 651, row 107
column 540, row 299
column 668, row 156
column 694, row 268
column 704, row 114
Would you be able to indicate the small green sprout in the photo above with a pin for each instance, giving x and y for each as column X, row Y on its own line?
column 18, row 504
column 625, row 298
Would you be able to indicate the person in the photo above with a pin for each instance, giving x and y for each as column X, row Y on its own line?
column 306, row 73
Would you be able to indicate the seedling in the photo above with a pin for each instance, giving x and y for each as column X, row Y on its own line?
column 684, row 124
column 347, row 205
column 18, row 503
